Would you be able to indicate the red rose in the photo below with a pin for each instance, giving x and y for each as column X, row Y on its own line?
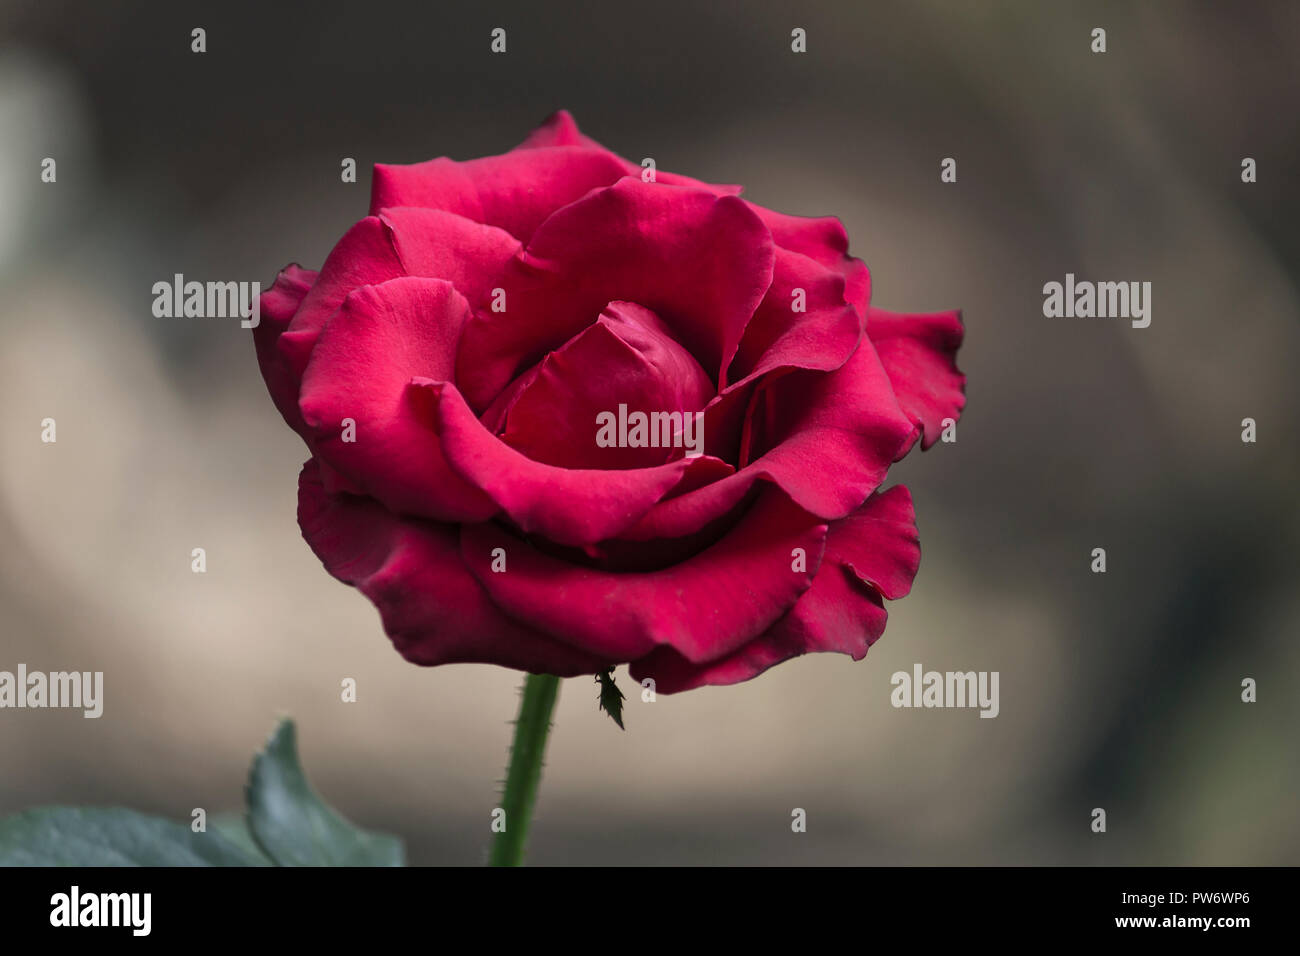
column 451, row 365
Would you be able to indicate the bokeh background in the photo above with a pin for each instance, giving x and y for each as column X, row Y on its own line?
column 1119, row 691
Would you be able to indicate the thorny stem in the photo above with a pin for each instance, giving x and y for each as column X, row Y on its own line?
column 524, row 775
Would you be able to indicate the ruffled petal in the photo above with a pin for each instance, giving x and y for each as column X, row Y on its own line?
column 822, row 239
column 278, row 305
column 919, row 353
column 826, row 438
column 802, row 322
column 558, row 129
column 700, row 262
column 432, row 608
column 561, row 129
column 704, row 607
column 442, row 245
column 364, row 256
column 568, row 506
column 515, row 191
column 627, row 358
column 871, row 553
column 879, row 543
column 379, row 339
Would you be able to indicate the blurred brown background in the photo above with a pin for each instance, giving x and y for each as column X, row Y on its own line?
column 1119, row 690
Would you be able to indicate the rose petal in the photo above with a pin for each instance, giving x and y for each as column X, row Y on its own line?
column 278, row 305
column 879, row 542
column 920, row 354
column 364, row 256
column 441, row 245
column 432, row 608
column 626, row 358
column 873, row 551
column 560, row 129
column 822, row 239
column 700, row 262
column 515, row 191
column 705, row 607
column 379, row 339
column 822, row 336
column 826, row 438
column 401, row 242
column 568, row 506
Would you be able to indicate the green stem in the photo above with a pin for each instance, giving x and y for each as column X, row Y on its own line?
column 525, row 772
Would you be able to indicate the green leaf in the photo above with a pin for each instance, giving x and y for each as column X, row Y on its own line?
column 611, row 698
column 86, row 836
column 294, row 827
column 234, row 828
column 286, row 824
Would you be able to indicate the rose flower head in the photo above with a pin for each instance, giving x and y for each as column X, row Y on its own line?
column 564, row 413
